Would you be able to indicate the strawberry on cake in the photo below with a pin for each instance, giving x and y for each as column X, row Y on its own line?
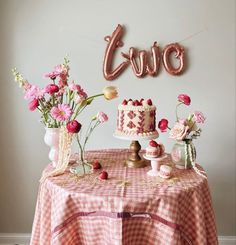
column 136, row 118
column 155, row 149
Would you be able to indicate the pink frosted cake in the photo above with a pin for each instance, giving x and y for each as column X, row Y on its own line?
column 136, row 118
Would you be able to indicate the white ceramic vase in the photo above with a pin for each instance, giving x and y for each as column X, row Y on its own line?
column 51, row 138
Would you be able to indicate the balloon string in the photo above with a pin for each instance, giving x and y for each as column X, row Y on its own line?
column 192, row 35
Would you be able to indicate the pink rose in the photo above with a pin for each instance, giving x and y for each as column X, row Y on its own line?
column 163, row 125
column 51, row 88
column 102, row 117
column 199, row 117
column 179, row 131
column 73, row 126
column 33, row 104
column 184, row 98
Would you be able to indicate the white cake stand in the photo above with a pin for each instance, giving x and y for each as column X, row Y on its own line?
column 134, row 159
column 155, row 163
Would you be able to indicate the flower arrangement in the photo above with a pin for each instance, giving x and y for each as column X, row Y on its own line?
column 184, row 131
column 73, row 127
column 184, row 128
column 61, row 101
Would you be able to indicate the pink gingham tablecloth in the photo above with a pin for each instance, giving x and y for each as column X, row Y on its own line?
column 130, row 208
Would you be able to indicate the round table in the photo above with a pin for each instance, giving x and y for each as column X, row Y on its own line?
column 129, row 208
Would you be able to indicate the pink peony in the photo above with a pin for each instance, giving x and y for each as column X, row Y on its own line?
column 102, row 117
column 163, row 125
column 199, row 117
column 184, row 98
column 73, row 126
column 51, row 88
column 61, row 113
column 33, row 104
column 34, row 92
column 179, row 131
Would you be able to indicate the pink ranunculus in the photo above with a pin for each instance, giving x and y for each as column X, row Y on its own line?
column 61, row 112
column 199, row 117
column 102, row 117
column 179, row 131
column 51, row 88
column 33, row 104
column 73, row 126
column 33, row 92
column 184, row 98
column 163, row 125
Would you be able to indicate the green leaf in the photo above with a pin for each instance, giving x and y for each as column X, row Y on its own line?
column 89, row 101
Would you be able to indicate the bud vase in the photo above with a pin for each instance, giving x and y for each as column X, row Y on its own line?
column 51, row 138
column 82, row 166
column 183, row 154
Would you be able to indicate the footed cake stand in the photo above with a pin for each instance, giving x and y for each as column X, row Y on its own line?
column 155, row 163
column 134, row 160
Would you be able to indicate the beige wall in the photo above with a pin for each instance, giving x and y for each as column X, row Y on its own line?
column 35, row 35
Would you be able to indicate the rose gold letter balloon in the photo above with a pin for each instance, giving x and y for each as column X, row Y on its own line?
column 139, row 70
column 156, row 61
column 179, row 54
column 113, row 43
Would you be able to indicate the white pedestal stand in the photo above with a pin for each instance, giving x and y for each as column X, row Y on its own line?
column 155, row 164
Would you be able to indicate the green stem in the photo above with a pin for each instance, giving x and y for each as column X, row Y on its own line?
column 89, row 133
column 94, row 96
column 81, row 152
column 176, row 112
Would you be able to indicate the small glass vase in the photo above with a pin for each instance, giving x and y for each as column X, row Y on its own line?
column 183, row 154
column 82, row 166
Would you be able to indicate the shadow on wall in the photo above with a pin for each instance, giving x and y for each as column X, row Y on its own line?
column 18, row 178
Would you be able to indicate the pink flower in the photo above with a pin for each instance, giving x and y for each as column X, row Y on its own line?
column 34, row 92
column 53, row 75
column 163, row 125
column 184, row 98
column 27, row 86
column 73, row 126
column 102, row 117
column 61, row 69
column 61, row 113
column 73, row 86
column 179, row 131
column 33, row 104
column 51, row 88
column 199, row 117
column 183, row 121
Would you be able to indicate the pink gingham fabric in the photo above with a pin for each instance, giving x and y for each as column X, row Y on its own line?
column 130, row 208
